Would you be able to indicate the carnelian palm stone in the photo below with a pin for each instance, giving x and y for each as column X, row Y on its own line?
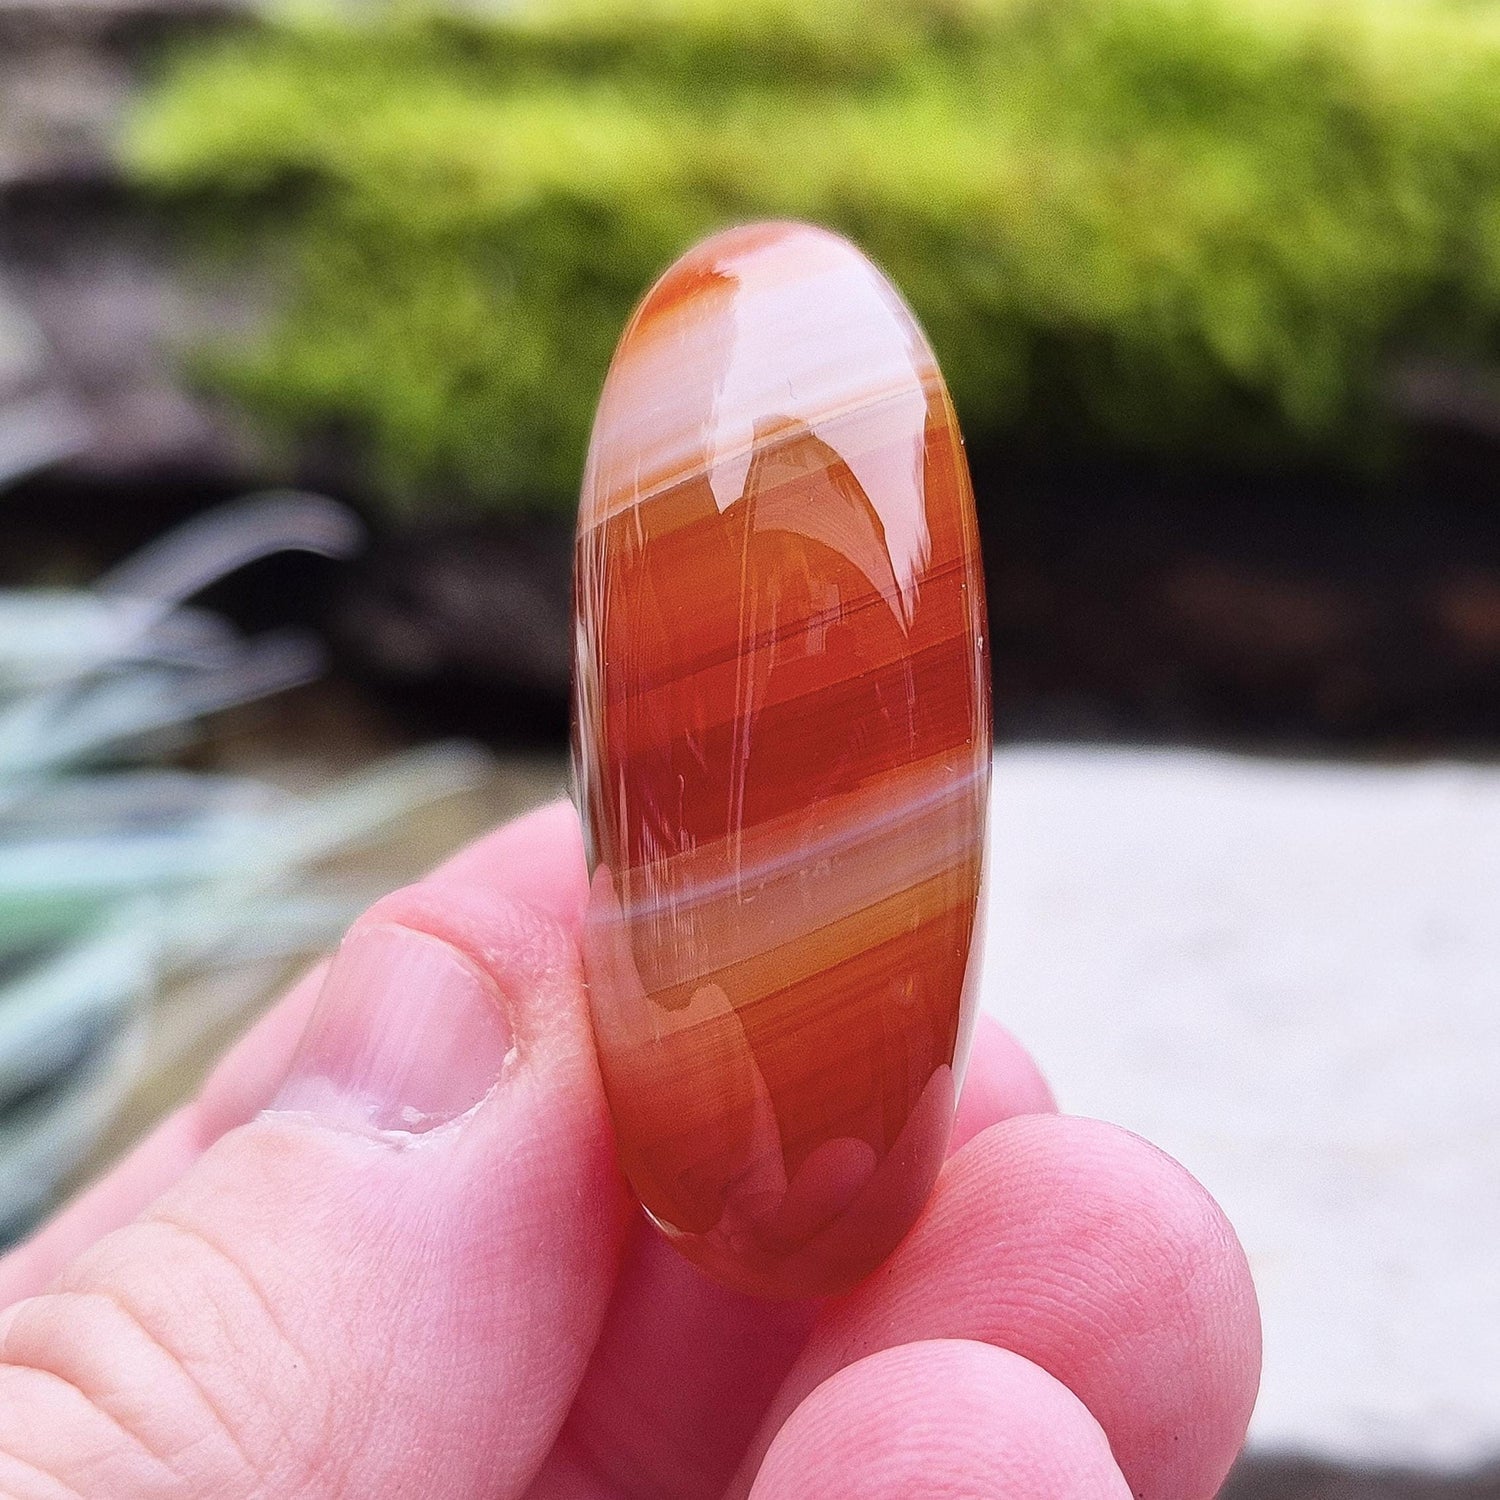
column 782, row 752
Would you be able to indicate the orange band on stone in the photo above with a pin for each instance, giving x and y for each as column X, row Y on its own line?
column 782, row 751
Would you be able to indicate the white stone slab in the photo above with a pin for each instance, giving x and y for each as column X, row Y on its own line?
column 1288, row 975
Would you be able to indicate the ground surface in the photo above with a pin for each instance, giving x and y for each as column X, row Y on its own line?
column 1288, row 976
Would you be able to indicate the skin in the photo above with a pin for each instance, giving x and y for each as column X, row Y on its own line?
column 256, row 1303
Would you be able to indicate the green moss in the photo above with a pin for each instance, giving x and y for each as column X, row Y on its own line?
column 1169, row 224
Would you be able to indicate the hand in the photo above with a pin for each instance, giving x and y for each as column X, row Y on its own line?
column 271, row 1299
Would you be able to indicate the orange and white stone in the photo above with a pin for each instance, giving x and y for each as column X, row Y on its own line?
column 782, row 751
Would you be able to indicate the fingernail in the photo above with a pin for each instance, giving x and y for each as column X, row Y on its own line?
column 407, row 1035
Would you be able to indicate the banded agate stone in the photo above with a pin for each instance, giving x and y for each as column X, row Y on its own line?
column 782, row 752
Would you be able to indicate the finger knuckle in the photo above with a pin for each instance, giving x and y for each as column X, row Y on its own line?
column 170, row 1338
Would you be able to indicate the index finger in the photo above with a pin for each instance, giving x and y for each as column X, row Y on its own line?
column 1093, row 1255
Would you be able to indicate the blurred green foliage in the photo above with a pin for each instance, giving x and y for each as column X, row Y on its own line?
column 1178, row 225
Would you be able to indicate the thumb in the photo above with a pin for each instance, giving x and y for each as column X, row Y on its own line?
column 388, row 1284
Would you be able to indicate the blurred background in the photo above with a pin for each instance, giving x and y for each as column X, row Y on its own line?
column 303, row 314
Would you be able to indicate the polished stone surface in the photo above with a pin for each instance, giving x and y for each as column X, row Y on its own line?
column 782, row 751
